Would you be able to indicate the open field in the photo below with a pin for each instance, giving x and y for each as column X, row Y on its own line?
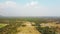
column 30, row 25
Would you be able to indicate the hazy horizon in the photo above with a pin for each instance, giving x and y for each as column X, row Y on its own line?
column 30, row 7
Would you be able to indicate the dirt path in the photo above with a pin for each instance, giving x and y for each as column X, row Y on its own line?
column 28, row 29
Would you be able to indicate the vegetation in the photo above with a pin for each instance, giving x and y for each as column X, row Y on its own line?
column 10, row 25
column 3, row 25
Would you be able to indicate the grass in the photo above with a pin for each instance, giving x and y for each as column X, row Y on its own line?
column 3, row 25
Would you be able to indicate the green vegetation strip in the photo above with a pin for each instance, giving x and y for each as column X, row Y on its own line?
column 3, row 25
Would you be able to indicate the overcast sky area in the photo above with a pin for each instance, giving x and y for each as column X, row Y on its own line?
column 30, row 7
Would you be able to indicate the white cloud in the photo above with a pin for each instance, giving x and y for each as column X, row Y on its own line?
column 32, row 4
column 10, row 8
column 10, row 4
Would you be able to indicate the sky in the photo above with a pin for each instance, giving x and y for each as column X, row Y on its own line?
column 30, row 7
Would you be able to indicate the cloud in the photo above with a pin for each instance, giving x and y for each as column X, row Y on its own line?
column 7, row 4
column 10, row 4
column 4, row 6
column 32, row 4
column 10, row 8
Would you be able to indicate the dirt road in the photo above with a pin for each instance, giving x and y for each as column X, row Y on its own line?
column 28, row 29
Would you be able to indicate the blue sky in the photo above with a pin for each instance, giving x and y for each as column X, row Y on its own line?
column 30, row 7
